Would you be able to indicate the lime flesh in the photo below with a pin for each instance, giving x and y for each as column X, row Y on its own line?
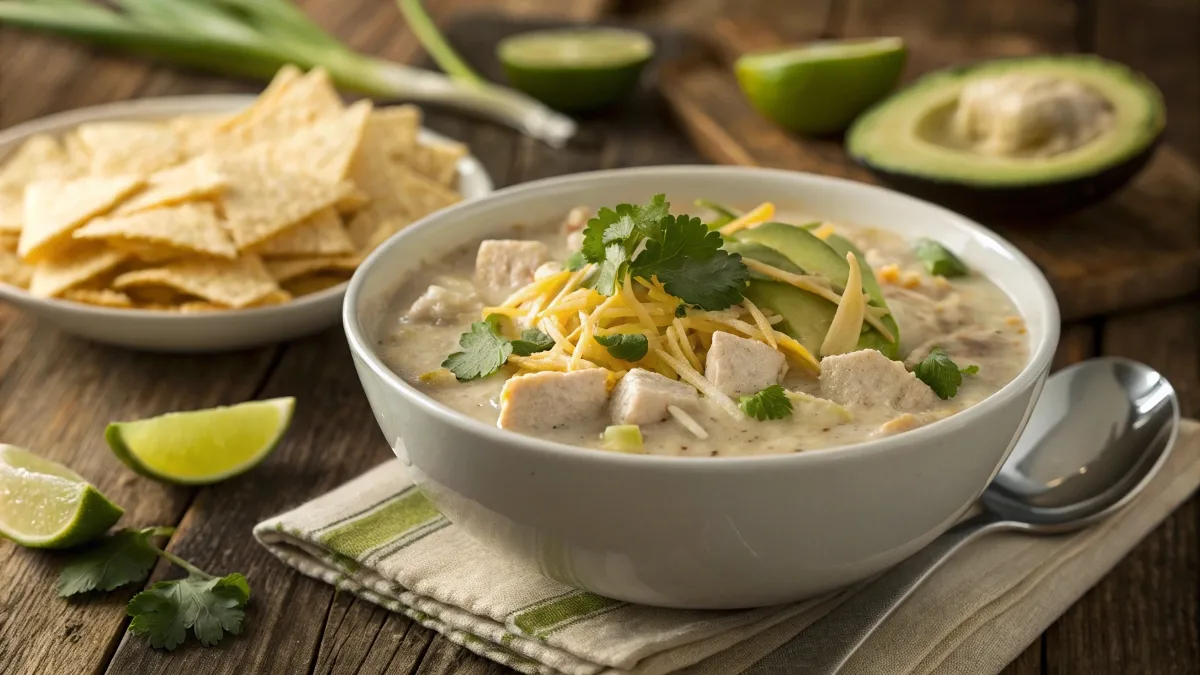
column 576, row 69
column 202, row 446
column 44, row 504
column 819, row 88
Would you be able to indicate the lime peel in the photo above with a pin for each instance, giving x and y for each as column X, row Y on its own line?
column 44, row 504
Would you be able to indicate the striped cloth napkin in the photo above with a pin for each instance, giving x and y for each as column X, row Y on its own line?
column 379, row 538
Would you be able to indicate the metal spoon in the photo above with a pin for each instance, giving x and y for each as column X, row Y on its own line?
column 1098, row 434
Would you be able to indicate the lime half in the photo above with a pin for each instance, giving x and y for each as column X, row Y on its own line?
column 202, row 446
column 820, row 87
column 576, row 69
column 43, row 504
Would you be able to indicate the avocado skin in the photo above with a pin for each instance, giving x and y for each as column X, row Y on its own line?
column 1041, row 202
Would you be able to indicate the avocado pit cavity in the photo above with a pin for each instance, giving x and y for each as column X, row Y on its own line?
column 1029, row 115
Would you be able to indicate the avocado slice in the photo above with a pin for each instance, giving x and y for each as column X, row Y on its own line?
column 763, row 254
column 807, row 317
column 806, row 250
column 927, row 139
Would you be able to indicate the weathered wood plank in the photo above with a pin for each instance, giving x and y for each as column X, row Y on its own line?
column 57, row 393
column 1143, row 616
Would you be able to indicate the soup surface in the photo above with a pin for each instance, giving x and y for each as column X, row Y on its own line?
column 777, row 343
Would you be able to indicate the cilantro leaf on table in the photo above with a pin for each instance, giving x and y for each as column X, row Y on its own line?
column 210, row 607
column 532, row 341
column 688, row 259
column 123, row 557
column 625, row 346
column 771, row 403
column 942, row 374
column 484, row 351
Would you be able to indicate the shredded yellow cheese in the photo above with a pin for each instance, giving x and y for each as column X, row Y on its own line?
column 761, row 321
column 805, row 283
column 584, row 337
column 846, row 327
column 759, row 214
column 686, row 345
column 687, row 422
column 697, row 380
column 536, row 288
column 823, row 231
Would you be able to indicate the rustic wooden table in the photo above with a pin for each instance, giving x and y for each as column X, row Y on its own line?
column 57, row 392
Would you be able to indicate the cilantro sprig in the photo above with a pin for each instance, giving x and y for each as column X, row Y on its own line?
column 208, row 605
column 942, row 374
column 485, row 349
column 647, row 241
column 771, row 403
column 625, row 346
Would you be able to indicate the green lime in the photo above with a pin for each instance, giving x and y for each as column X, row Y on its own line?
column 43, row 504
column 576, row 69
column 202, row 446
column 820, row 87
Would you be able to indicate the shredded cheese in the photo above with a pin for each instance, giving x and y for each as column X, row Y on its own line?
column 642, row 314
column 685, row 345
column 805, row 283
column 584, row 336
column 536, row 288
column 687, row 421
column 761, row 321
column 759, row 214
column 846, row 327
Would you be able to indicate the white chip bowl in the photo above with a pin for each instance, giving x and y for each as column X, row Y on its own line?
column 699, row 532
column 205, row 331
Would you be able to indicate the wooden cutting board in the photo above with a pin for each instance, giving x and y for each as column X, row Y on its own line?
column 1138, row 248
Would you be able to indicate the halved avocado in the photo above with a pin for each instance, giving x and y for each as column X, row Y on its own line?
column 910, row 141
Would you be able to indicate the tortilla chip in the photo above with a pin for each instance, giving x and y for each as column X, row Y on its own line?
column 273, row 298
column 261, row 200
column 187, row 228
column 353, row 201
column 314, row 283
column 152, row 254
column 284, row 78
column 77, row 154
column 233, row 283
column 326, row 148
column 39, row 158
column 194, row 307
column 198, row 178
column 8, row 241
column 393, row 130
column 285, row 270
column 195, row 134
column 54, row 208
column 369, row 228
column 102, row 297
column 13, row 270
column 438, row 162
column 158, row 297
column 78, row 263
column 292, row 108
column 321, row 234
column 12, row 206
column 118, row 148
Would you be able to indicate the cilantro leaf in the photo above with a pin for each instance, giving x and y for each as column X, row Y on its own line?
column 532, row 341
column 692, row 266
column 625, row 346
column 209, row 607
column 124, row 557
column 941, row 373
column 576, row 261
column 940, row 260
column 611, row 238
column 483, row 352
column 771, row 403
column 680, row 310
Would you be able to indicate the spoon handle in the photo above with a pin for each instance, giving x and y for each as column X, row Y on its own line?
column 824, row 647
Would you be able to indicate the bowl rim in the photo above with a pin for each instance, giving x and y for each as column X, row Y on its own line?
column 1038, row 364
column 162, row 107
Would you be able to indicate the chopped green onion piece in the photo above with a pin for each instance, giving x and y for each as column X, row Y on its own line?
column 940, row 260
column 623, row 438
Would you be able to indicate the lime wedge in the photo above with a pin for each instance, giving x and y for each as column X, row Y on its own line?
column 576, row 69
column 820, row 87
column 202, row 446
column 43, row 504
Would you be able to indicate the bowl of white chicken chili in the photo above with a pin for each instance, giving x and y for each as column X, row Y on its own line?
column 704, row 387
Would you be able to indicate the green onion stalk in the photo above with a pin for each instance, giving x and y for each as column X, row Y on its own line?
column 254, row 38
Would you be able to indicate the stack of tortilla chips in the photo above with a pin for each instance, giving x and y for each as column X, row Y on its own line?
column 279, row 200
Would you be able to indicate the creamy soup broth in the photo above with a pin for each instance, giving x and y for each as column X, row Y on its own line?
column 970, row 318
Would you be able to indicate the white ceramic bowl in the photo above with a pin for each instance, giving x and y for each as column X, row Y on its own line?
column 201, row 332
column 699, row 532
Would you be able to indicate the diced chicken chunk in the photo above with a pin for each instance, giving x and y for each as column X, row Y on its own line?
column 642, row 397
column 921, row 318
column 964, row 345
column 541, row 401
column 576, row 219
column 442, row 303
column 868, row 378
column 741, row 367
column 507, row 264
column 546, row 269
